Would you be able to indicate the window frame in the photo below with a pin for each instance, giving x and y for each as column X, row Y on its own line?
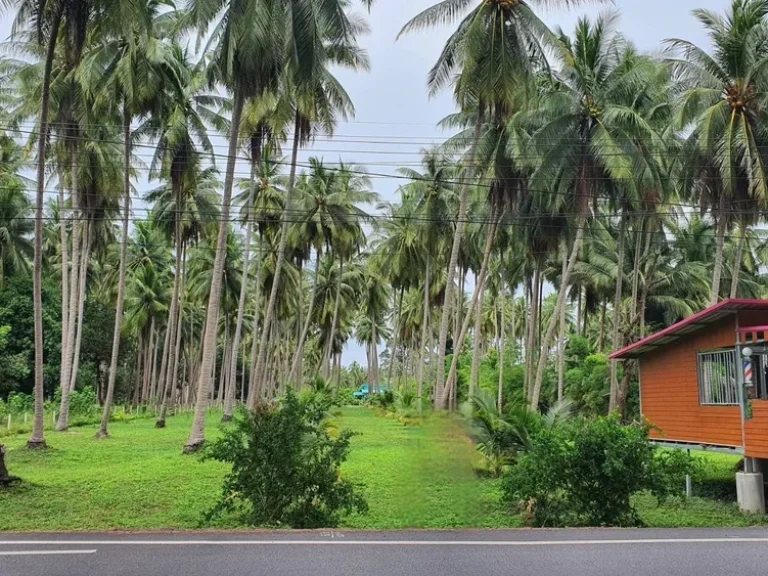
column 729, row 391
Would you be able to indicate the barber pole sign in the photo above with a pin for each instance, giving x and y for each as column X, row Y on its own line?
column 747, row 372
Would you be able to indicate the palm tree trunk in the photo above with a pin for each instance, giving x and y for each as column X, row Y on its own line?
column 457, row 239
column 636, row 264
column 617, row 299
column 154, row 376
column 243, row 382
column 737, row 263
column 5, row 477
column 223, row 373
column 103, row 433
column 424, row 333
column 375, row 357
column 70, row 281
column 177, row 352
column 260, row 361
column 299, row 354
column 393, row 343
column 299, row 325
column 166, row 363
column 37, row 440
column 64, row 271
column 531, row 336
column 168, row 381
column 252, row 384
column 718, row 266
column 475, row 372
column 545, row 343
column 561, row 343
column 147, row 364
column 230, row 400
column 480, row 284
column 74, row 274
column 139, row 360
column 197, row 434
column 502, row 343
column 396, row 336
column 81, row 296
column 579, row 312
column 601, row 328
column 335, row 321
column 62, row 422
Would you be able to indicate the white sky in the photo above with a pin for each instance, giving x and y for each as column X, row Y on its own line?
column 395, row 117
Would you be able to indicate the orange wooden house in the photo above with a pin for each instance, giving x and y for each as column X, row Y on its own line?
column 704, row 381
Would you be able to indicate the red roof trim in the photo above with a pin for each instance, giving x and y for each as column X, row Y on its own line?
column 722, row 307
column 750, row 329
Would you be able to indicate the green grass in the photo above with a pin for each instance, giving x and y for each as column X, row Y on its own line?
column 415, row 476
column 419, row 476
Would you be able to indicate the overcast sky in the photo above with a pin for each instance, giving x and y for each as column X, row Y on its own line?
column 395, row 118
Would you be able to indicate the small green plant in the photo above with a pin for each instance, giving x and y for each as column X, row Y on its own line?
column 585, row 473
column 384, row 400
column 285, row 468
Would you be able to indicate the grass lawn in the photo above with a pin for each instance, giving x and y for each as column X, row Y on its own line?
column 415, row 477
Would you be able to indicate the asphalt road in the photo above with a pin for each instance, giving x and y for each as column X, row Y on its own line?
column 336, row 553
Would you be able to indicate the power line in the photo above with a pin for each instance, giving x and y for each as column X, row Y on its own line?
column 276, row 219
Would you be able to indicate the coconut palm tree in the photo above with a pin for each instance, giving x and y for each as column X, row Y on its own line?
column 318, row 99
column 128, row 75
column 724, row 108
column 179, row 120
column 589, row 143
column 247, row 55
column 371, row 326
column 329, row 203
column 47, row 19
column 434, row 193
column 399, row 256
column 494, row 50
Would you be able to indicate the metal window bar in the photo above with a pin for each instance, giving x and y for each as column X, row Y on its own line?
column 718, row 378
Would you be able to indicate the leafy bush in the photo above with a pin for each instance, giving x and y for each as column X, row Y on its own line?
column 406, row 400
column 285, row 468
column 384, row 400
column 345, row 397
column 318, row 399
column 585, row 472
column 589, row 385
column 84, row 402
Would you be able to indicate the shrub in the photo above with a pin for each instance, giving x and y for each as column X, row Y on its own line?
column 406, row 400
column 384, row 400
column 285, row 468
column 345, row 397
column 589, row 385
column 585, row 472
column 84, row 403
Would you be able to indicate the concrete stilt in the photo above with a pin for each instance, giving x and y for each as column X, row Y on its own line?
column 750, row 492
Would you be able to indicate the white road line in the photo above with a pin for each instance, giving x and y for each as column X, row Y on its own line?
column 458, row 543
column 44, row 552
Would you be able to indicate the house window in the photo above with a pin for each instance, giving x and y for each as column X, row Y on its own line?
column 718, row 382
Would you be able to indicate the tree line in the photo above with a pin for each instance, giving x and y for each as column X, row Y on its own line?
column 629, row 185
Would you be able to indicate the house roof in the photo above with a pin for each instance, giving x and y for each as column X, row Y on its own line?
column 687, row 326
